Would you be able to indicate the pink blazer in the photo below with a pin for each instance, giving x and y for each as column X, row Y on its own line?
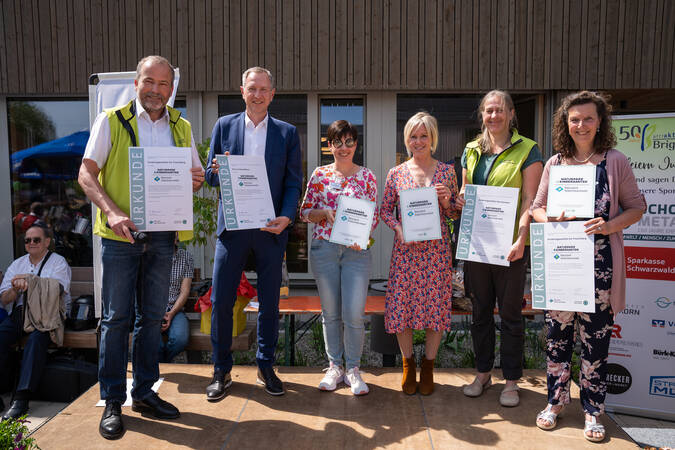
column 624, row 194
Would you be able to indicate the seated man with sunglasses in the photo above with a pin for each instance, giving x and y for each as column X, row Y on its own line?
column 45, row 264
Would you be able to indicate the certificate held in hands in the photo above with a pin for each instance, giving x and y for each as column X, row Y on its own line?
column 245, row 192
column 353, row 221
column 420, row 217
column 160, row 188
column 486, row 226
column 563, row 267
column 571, row 189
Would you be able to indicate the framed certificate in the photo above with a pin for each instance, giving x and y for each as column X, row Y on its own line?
column 486, row 226
column 420, row 216
column 160, row 188
column 245, row 192
column 353, row 221
column 571, row 189
column 562, row 267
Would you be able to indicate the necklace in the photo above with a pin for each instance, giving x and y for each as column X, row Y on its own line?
column 583, row 161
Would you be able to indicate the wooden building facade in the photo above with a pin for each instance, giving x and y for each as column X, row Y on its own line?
column 379, row 59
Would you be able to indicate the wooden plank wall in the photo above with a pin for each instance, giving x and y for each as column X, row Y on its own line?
column 52, row 46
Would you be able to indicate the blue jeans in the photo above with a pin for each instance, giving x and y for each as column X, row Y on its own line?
column 342, row 276
column 127, row 267
column 178, row 335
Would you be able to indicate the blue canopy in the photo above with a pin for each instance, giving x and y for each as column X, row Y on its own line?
column 54, row 159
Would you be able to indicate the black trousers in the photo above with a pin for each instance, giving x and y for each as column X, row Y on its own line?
column 34, row 352
column 490, row 284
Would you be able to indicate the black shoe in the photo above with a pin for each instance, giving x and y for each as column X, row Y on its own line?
column 273, row 384
column 16, row 409
column 111, row 426
column 155, row 407
column 216, row 390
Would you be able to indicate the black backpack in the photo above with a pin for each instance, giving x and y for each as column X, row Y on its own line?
column 82, row 313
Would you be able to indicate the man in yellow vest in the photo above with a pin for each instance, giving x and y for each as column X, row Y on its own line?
column 146, row 121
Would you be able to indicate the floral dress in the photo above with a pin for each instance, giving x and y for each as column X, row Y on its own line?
column 419, row 290
column 595, row 329
column 326, row 185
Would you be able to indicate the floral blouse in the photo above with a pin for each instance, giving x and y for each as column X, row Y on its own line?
column 325, row 186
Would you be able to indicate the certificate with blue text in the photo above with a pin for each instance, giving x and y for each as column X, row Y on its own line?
column 420, row 216
column 160, row 188
column 353, row 221
column 244, row 192
column 486, row 226
column 562, row 266
column 571, row 189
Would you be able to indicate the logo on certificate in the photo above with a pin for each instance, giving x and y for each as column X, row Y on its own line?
column 343, row 218
column 560, row 189
column 157, row 178
column 556, row 256
column 411, row 213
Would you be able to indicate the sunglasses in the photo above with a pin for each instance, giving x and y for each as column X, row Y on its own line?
column 337, row 143
column 36, row 240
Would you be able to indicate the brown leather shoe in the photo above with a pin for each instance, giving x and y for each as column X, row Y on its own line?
column 409, row 381
column 426, row 386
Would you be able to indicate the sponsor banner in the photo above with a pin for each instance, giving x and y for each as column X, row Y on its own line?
column 642, row 338
column 649, row 143
column 642, row 352
column 649, row 263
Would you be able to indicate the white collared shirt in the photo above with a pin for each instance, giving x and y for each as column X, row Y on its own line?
column 255, row 137
column 56, row 267
column 150, row 134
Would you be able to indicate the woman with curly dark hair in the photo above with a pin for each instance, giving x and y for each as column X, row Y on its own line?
column 583, row 135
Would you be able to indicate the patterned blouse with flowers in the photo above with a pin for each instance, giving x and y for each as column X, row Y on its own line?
column 325, row 186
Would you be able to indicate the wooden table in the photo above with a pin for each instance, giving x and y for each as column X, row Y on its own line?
column 311, row 304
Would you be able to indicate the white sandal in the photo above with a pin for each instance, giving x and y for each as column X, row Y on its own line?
column 549, row 416
column 594, row 427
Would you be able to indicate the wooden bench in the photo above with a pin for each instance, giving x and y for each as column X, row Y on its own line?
column 82, row 283
column 311, row 304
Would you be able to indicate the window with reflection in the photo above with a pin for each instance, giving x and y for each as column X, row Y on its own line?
column 46, row 143
column 458, row 121
column 349, row 109
column 47, row 138
column 291, row 108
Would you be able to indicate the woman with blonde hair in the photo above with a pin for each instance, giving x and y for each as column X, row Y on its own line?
column 500, row 157
column 420, row 274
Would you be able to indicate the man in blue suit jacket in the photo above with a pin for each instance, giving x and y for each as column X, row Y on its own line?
column 253, row 132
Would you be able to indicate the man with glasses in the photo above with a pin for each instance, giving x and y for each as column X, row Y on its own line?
column 253, row 133
column 45, row 264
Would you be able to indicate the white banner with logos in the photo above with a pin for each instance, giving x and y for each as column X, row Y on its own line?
column 641, row 371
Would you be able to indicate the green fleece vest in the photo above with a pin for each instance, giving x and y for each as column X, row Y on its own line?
column 506, row 169
column 114, row 176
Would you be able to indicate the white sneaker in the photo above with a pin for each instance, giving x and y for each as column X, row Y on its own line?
column 334, row 375
column 353, row 379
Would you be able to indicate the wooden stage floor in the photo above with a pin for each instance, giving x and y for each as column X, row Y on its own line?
column 306, row 418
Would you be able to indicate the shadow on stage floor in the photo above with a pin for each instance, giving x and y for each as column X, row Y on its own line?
column 307, row 418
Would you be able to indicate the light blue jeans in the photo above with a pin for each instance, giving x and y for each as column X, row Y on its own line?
column 342, row 277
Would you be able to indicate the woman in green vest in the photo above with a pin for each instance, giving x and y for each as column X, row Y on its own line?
column 499, row 156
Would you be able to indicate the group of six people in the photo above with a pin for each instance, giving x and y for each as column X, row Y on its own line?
column 419, row 289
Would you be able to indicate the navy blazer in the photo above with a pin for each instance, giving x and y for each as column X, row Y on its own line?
column 283, row 160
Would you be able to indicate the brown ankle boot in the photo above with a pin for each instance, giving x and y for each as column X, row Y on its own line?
column 409, row 382
column 427, row 377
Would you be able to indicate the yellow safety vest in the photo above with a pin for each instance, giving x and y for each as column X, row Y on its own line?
column 114, row 175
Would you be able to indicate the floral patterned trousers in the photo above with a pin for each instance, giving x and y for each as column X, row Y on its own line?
column 595, row 330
